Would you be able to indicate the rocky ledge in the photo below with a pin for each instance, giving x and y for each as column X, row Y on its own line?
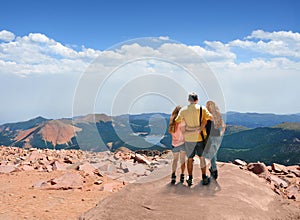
column 283, row 180
column 91, row 170
column 84, row 170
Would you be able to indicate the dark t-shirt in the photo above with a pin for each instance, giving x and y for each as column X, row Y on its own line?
column 211, row 130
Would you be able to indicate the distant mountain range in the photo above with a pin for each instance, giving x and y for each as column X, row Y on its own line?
column 249, row 136
column 254, row 120
column 280, row 144
column 94, row 132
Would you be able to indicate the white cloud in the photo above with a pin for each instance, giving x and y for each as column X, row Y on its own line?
column 30, row 54
column 38, row 54
column 133, row 50
column 280, row 43
column 254, row 83
column 215, row 52
column 39, row 38
column 276, row 35
column 64, row 51
column 6, row 35
column 164, row 38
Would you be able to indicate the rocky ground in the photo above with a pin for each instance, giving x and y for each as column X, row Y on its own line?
column 283, row 180
column 236, row 195
column 64, row 184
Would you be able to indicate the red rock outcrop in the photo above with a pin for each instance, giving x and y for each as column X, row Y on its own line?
column 283, row 180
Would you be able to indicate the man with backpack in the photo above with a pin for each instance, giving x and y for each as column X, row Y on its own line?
column 194, row 134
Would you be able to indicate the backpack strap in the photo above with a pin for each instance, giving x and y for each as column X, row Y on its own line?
column 200, row 119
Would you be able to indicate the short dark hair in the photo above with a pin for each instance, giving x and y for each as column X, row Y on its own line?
column 193, row 97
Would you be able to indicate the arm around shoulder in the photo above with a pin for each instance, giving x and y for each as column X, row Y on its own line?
column 207, row 115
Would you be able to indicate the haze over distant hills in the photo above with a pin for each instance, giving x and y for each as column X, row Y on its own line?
column 254, row 120
column 249, row 136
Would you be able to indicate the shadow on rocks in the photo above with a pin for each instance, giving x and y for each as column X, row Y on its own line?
column 196, row 189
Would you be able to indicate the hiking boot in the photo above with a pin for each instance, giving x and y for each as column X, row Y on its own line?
column 181, row 178
column 189, row 181
column 213, row 173
column 205, row 180
column 173, row 178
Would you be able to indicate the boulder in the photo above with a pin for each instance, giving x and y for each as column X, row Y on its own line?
column 36, row 155
column 294, row 169
column 97, row 173
column 293, row 192
column 74, row 166
column 50, row 158
column 124, row 166
column 41, row 185
column 59, row 166
column 123, row 153
column 138, row 169
column 279, row 182
column 26, row 168
column 69, row 160
column 7, row 168
column 123, row 150
column 39, row 168
column 98, row 182
column 269, row 168
column 239, row 162
column 165, row 162
column 167, row 154
column 141, row 159
column 69, row 180
column 43, row 162
column 149, row 153
column 258, row 168
column 111, row 187
column 49, row 168
column 278, row 168
column 291, row 175
column 119, row 170
column 87, row 168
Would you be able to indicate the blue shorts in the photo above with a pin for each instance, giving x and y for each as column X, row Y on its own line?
column 194, row 148
column 178, row 148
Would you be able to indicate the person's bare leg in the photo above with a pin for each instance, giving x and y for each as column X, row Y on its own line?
column 203, row 165
column 174, row 167
column 190, row 166
column 182, row 168
column 182, row 161
column 205, row 179
column 175, row 161
column 190, row 171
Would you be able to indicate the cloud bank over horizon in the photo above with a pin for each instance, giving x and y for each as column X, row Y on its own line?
column 259, row 73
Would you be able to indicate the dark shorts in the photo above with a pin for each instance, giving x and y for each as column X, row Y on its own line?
column 194, row 148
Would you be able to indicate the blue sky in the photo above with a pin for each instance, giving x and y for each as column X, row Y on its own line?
column 101, row 24
column 251, row 46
